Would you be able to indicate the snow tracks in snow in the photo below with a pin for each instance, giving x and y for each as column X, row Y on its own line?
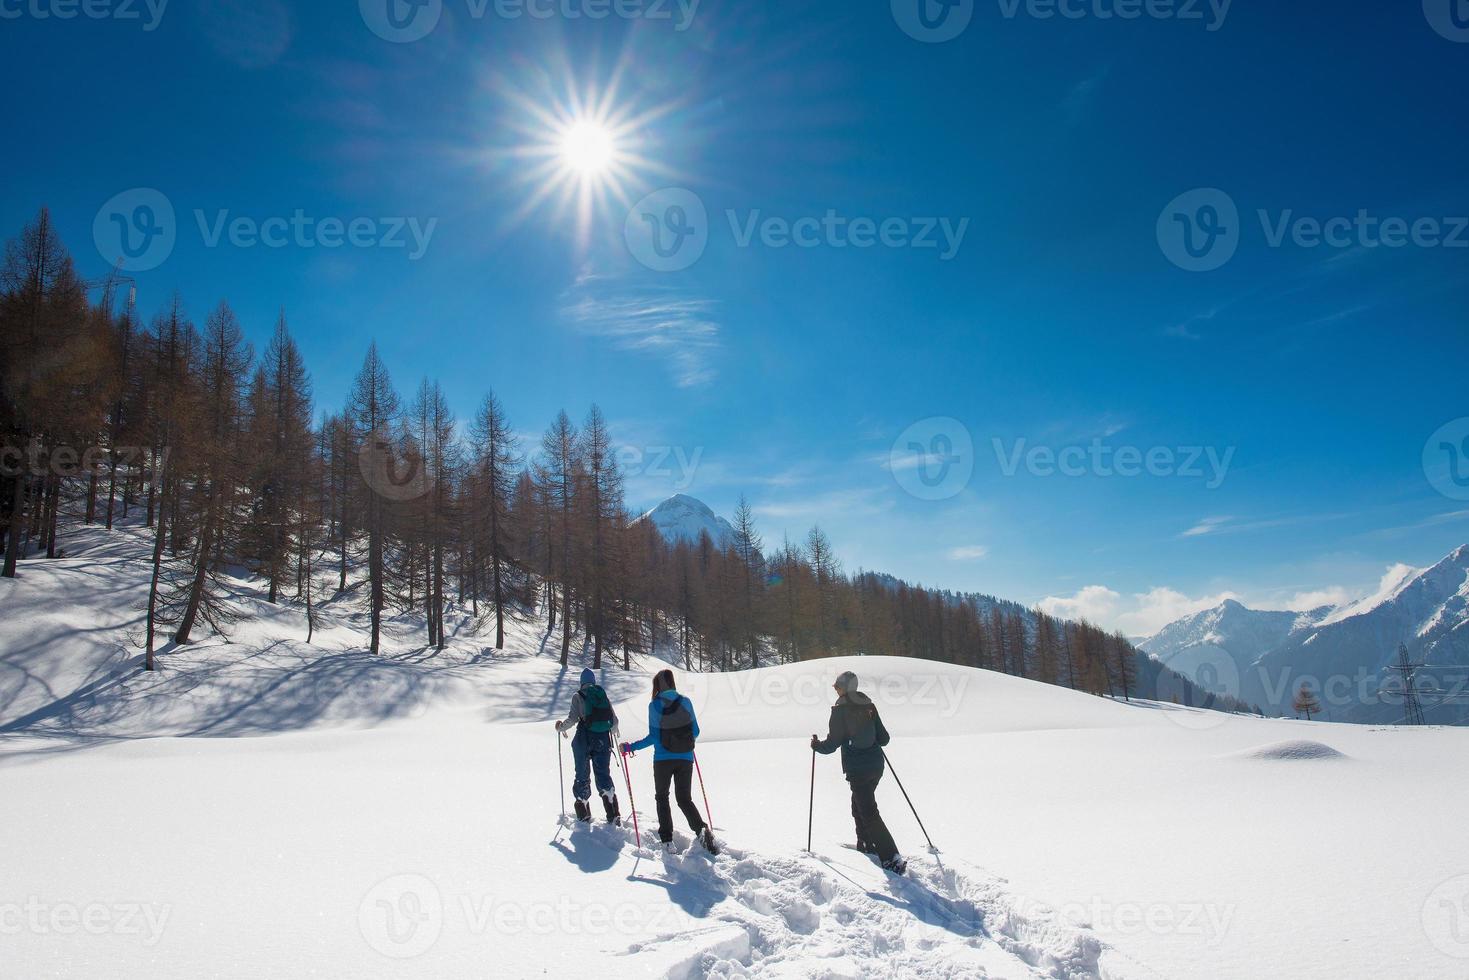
column 817, row 916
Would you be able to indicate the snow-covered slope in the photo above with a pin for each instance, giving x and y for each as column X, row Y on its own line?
column 684, row 518
column 397, row 816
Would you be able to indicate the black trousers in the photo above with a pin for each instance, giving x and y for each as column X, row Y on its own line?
column 871, row 831
column 681, row 773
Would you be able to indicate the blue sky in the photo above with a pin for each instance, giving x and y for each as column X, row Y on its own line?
column 1061, row 317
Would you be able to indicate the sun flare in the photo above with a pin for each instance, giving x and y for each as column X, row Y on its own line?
column 587, row 148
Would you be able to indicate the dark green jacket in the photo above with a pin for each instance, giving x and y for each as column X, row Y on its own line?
column 856, row 728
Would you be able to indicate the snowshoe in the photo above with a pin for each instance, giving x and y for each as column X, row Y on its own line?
column 896, row 865
column 706, row 837
column 583, row 811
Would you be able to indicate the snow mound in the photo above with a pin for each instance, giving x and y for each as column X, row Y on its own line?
column 1292, row 750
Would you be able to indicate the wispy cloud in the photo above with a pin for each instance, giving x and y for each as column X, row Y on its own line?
column 1206, row 526
column 1083, row 95
column 660, row 320
column 845, row 502
column 968, row 552
column 1233, row 525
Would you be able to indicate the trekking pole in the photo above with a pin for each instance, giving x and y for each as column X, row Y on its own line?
column 561, row 775
column 707, row 813
column 811, row 809
column 632, row 804
column 910, row 803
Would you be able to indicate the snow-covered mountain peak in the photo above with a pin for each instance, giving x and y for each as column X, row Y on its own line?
column 684, row 518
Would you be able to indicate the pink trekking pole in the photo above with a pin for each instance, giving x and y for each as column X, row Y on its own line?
column 622, row 758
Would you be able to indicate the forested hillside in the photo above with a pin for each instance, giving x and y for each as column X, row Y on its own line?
column 178, row 424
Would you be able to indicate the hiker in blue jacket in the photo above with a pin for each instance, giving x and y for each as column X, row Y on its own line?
column 672, row 731
column 594, row 721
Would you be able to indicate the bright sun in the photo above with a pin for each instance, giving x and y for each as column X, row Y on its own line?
column 587, row 148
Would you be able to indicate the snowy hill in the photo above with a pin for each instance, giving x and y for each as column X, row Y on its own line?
column 397, row 816
column 684, row 518
column 1340, row 652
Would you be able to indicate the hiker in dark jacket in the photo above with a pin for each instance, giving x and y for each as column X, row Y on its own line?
column 672, row 732
column 594, row 721
column 856, row 728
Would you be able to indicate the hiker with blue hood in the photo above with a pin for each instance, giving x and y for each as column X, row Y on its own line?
column 857, row 729
column 594, row 720
column 672, row 732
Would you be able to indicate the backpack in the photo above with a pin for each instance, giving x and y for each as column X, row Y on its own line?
column 597, row 712
column 676, row 727
column 861, row 722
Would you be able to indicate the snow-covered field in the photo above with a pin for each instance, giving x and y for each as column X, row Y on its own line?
column 261, row 808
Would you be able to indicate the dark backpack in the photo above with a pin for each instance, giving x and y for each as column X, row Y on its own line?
column 861, row 725
column 676, row 727
column 597, row 712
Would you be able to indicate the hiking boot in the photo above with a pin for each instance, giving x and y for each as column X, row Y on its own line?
column 896, row 865
column 706, row 837
column 583, row 811
column 614, row 812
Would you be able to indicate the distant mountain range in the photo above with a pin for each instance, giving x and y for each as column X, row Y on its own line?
column 1342, row 652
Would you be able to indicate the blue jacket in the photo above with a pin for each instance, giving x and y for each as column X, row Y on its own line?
column 655, row 717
